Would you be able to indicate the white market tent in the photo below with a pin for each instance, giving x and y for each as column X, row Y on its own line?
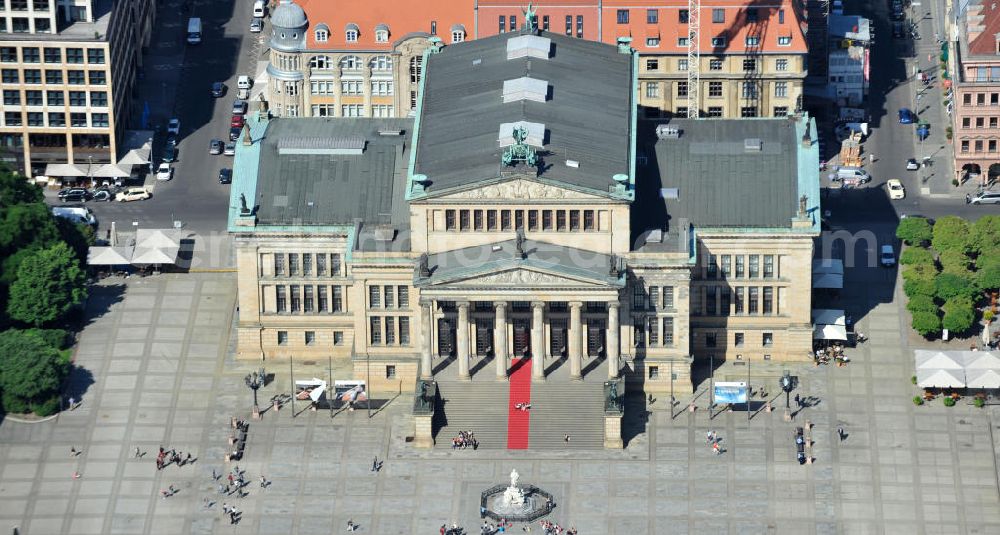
column 64, row 170
column 110, row 170
column 109, row 256
column 938, row 378
column 154, row 255
column 829, row 316
column 938, row 360
column 829, row 332
column 982, row 378
column 981, row 360
column 829, row 324
column 157, row 239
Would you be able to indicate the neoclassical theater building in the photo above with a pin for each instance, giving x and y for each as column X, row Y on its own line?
column 522, row 214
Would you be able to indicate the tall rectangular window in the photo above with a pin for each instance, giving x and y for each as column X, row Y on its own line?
column 574, row 220
column 491, row 220
column 464, row 220
column 545, row 22
column 768, row 300
column 281, row 301
column 513, row 23
column 403, row 294
column 622, row 16
column 279, row 259
column 404, row 331
column 569, row 24
column 727, row 266
column 752, row 307
column 323, row 302
column 738, row 304
column 293, row 264
column 389, row 297
column 754, row 266
column 668, row 297
column 561, row 220
column 477, row 219
column 724, row 298
column 579, row 26
column 668, row 331
column 652, row 16
column 653, row 328
column 321, row 265
column 505, row 220
column 712, row 270
column 588, row 220
column 502, row 22
column 296, row 298
column 390, row 330
column 307, row 299
column 307, row 264
column 768, row 266
column 338, row 299
column 711, row 302
column 375, row 330
column 335, row 264
column 739, row 266
column 374, row 297
column 518, row 219
column 638, row 297
column 450, row 220
column 654, row 296
column 546, row 219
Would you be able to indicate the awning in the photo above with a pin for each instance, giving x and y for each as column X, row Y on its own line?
column 825, row 316
column 928, row 359
column 828, row 273
column 156, row 238
column 148, row 256
column 64, row 169
column 830, row 332
column 982, row 378
column 938, row 378
column 109, row 256
column 828, row 281
column 135, row 157
column 981, row 360
column 111, row 170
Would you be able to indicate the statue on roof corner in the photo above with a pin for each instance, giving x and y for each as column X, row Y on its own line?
column 243, row 205
column 802, row 205
column 530, row 18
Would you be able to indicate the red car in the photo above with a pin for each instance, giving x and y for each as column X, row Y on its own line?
column 237, row 121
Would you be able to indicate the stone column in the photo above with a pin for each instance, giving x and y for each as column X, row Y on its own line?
column 462, row 341
column 426, row 329
column 500, row 341
column 575, row 340
column 537, row 341
column 614, row 331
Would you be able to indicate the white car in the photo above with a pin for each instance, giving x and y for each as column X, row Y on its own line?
column 895, row 187
column 174, row 127
column 164, row 172
column 132, row 194
column 912, row 164
column 887, row 257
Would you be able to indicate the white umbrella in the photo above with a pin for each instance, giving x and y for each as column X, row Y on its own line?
column 135, row 157
column 156, row 238
column 109, row 256
column 983, row 378
column 930, row 378
column 64, row 169
column 145, row 255
column 111, row 170
column 938, row 360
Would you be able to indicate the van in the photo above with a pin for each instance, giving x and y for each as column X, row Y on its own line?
column 258, row 8
column 194, row 31
column 986, row 197
column 887, row 257
column 853, row 174
column 243, row 82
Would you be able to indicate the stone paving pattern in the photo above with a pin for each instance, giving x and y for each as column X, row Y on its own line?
column 159, row 351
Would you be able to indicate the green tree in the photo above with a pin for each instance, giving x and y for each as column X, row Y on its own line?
column 926, row 323
column 951, row 233
column 949, row 284
column 914, row 230
column 49, row 283
column 916, row 255
column 919, row 280
column 953, row 261
column 988, row 278
column 16, row 190
column 985, row 233
column 31, row 370
column 959, row 314
column 922, row 303
column 23, row 225
column 79, row 236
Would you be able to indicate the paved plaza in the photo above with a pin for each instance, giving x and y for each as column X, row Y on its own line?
column 159, row 352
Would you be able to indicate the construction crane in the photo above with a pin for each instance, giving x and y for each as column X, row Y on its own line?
column 694, row 59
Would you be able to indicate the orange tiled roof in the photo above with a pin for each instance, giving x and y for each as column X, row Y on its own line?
column 402, row 18
column 986, row 42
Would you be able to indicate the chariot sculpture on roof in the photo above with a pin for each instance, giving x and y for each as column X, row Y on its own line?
column 520, row 151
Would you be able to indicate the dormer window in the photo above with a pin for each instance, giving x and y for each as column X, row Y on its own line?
column 381, row 33
column 322, row 35
column 784, row 40
column 752, row 40
column 457, row 33
column 351, row 33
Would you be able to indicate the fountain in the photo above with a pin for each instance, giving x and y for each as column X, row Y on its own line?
column 515, row 502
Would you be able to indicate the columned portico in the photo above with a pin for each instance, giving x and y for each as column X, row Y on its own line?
column 575, row 339
column 500, row 336
column 537, row 341
column 463, row 341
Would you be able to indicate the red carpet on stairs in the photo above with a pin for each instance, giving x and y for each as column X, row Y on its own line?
column 520, row 392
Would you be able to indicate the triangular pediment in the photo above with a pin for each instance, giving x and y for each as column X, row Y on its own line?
column 518, row 189
column 520, row 278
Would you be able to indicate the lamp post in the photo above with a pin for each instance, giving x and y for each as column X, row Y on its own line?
column 254, row 381
column 786, row 385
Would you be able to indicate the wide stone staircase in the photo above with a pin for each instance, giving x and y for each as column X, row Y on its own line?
column 572, row 408
column 480, row 407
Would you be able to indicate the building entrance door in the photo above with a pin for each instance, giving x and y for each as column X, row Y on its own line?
column 522, row 337
column 557, row 341
column 446, row 338
column 484, row 337
column 595, row 338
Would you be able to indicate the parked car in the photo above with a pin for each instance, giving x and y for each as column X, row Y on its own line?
column 236, row 121
column 912, row 164
column 74, row 195
column 164, row 172
column 243, row 93
column 986, row 197
column 230, row 149
column 896, row 190
column 104, row 195
column 906, row 116
column 244, row 82
column 132, row 194
column 257, row 25
column 218, row 89
column 234, row 133
column 225, row 176
column 174, row 126
column 215, row 146
column 76, row 214
column 240, row 106
column 170, row 153
column 887, row 257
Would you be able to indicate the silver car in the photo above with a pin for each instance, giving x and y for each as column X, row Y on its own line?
column 215, row 147
column 256, row 25
column 986, row 197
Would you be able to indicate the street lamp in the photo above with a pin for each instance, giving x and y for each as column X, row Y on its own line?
column 254, row 381
column 787, row 385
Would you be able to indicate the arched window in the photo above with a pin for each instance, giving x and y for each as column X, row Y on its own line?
column 351, row 63
column 416, row 69
column 321, row 62
column 322, row 35
column 381, row 63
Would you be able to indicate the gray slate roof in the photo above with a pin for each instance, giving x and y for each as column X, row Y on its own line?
column 719, row 183
column 586, row 116
column 340, row 187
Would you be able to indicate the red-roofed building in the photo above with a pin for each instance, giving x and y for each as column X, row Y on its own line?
column 974, row 62
column 362, row 58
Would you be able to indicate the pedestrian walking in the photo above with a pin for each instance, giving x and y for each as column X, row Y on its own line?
column 968, row 198
column 187, row 459
column 871, row 157
column 225, row 508
column 798, row 401
column 76, row 475
column 566, row 438
column 840, row 433
column 73, row 452
column 231, row 479
column 375, row 464
column 215, row 475
column 350, row 525
column 72, row 403
column 263, row 482
column 137, row 452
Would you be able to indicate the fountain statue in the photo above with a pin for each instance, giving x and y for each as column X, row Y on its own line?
column 513, row 497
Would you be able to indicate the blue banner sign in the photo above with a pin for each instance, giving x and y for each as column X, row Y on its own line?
column 730, row 392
